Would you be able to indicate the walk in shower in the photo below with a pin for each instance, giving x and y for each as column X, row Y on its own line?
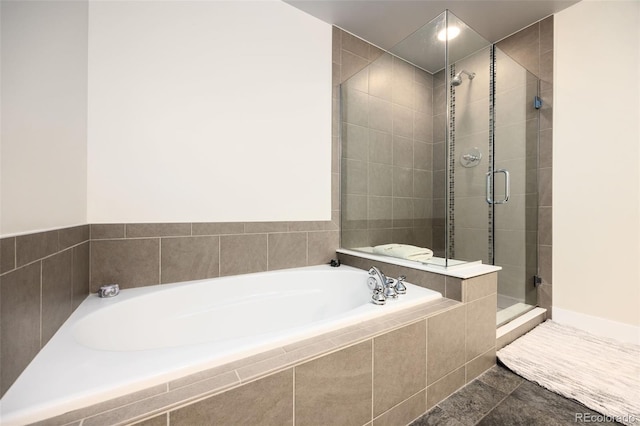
column 439, row 150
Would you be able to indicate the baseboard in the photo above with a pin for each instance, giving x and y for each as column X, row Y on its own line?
column 599, row 326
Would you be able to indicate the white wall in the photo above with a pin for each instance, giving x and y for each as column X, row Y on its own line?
column 208, row 111
column 43, row 109
column 596, row 182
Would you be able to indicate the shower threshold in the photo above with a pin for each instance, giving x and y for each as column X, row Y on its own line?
column 505, row 315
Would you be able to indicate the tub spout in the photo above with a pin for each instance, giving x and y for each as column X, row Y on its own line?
column 379, row 275
column 109, row 290
column 383, row 287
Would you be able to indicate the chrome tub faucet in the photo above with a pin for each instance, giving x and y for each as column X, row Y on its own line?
column 377, row 282
column 384, row 288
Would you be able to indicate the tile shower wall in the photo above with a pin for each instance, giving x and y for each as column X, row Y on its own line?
column 532, row 47
column 43, row 277
column 386, row 147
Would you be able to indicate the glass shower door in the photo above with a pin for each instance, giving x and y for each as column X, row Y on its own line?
column 493, row 160
column 512, row 187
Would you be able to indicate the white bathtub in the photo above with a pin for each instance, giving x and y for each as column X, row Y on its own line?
column 148, row 336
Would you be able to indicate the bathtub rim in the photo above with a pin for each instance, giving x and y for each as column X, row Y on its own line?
column 131, row 408
column 293, row 353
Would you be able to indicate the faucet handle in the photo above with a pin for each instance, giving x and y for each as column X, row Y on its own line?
column 378, row 297
column 390, row 288
column 400, row 287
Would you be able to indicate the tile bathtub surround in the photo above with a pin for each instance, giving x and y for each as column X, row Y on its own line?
column 135, row 255
column 376, row 372
column 44, row 276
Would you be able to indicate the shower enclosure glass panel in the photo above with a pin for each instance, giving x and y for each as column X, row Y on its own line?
column 439, row 144
column 387, row 142
column 493, row 206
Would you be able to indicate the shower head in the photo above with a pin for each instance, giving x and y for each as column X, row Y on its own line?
column 457, row 79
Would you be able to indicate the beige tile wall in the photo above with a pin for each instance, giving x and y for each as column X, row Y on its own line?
column 43, row 277
column 387, row 371
column 532, row 47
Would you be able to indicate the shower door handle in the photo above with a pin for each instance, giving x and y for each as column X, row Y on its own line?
column 507, row 187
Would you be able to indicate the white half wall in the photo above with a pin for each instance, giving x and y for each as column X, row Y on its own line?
column 208, row 111
column 596, row 161
column 43, row 178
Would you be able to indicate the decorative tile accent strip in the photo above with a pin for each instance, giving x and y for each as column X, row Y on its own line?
column 452, row 162
column 492, row 129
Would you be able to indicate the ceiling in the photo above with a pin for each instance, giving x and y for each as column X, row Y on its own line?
column 387, row 22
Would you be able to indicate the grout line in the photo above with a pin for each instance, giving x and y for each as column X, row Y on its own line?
column 40, row 338
column 73, row 286
column 466, row 305
column 268, row 252
column 426, row 356
column 307, row 239
column 41, row 259
column 89, row 266
column 372, row 375
column 400, row 403
column 498, row 404
column 160, row 260
column 293, row 415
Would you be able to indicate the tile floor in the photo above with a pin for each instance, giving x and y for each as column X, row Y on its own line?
column 500, row 397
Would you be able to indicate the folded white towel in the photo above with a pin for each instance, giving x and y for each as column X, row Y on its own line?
column 404, row 251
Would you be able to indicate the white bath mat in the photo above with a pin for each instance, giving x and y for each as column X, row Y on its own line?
column 601, row 373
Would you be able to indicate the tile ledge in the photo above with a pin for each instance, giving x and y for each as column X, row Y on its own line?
column 463, row 271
